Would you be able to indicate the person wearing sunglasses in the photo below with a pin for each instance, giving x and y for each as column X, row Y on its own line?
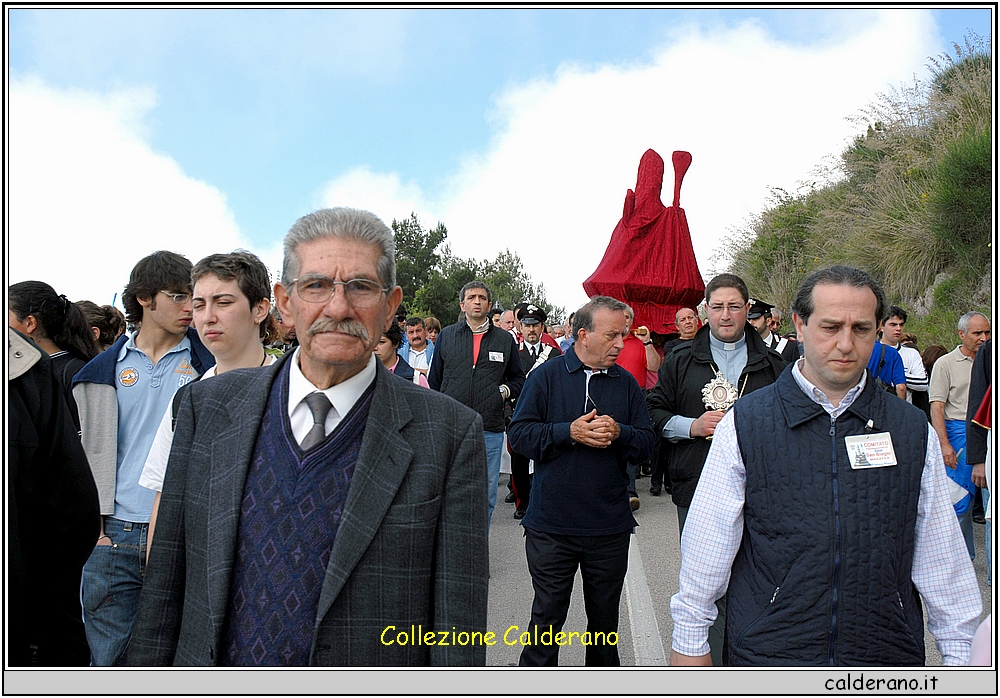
column 121, row 395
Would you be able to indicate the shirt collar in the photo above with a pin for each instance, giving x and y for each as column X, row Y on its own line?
column 130, row 345
column 727, row 346
column 342, row 396
column 820, row 398
column 960, row 355
column 574, row 364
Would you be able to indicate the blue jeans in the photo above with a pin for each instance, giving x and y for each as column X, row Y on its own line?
column 494, row 448
column 112, row 580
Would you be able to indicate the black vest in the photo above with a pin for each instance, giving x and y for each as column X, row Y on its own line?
column 403, row 369
column 823, row 573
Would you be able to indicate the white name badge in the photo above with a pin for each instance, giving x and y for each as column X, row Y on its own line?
column 870, row 451
column 496, row 356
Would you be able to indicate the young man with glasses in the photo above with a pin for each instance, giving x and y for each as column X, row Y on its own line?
column 121, row 396
column 698, row 382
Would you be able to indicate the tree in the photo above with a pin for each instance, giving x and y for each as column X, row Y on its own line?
column 431, row 280
column 416, row 255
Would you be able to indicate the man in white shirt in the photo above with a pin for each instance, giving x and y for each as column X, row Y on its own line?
column 825, row 551
column 913, row 364
column 418, row 351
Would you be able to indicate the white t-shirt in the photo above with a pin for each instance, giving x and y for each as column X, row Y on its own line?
column 159, row 453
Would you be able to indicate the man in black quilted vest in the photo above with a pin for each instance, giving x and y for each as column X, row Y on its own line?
column 477, row 363
column 824, row 505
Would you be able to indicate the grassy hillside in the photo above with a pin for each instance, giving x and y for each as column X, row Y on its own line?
column 910, row 201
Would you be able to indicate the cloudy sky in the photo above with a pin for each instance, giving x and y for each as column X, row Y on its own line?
column 202, row 131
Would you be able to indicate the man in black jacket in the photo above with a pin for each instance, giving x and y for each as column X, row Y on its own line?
column 728, row 359
column 477, row 363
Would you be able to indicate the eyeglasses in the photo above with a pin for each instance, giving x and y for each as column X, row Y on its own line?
column 732, row 308
column 316, row 288
column 178, row 298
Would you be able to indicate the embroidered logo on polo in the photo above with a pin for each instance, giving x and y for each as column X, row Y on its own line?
column 128, row 377
column 186, row 371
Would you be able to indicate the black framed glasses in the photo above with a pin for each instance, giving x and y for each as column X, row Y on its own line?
column 178, row 298
column 316, row 288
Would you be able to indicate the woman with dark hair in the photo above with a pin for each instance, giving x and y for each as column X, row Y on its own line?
column 930, row 355
column 106, row 322
column 57, row 326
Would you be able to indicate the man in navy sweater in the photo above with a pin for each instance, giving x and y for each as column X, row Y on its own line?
column 582, row 419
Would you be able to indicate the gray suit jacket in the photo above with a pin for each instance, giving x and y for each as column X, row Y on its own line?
column 411, row 548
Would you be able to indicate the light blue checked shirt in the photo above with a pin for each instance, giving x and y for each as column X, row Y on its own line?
column 942, row 571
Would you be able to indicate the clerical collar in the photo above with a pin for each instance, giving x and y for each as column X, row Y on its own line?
column 727, row 346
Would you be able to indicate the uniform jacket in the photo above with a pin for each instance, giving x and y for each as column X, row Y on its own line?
column 789, row 352
column 97, row 403
column 411, row 548
column 683, row 373
column 477, row 386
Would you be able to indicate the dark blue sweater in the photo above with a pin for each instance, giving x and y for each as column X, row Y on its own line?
column 579, row 490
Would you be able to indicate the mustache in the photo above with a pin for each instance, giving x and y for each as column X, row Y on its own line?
column 349, row 327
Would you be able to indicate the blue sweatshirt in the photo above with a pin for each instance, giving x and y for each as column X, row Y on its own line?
column 579, row 490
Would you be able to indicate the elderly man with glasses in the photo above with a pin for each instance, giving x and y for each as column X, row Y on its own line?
column 582, row 419
column 320, row 511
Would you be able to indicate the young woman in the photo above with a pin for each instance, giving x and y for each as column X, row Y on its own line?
column 57, row 326
column 386, row 351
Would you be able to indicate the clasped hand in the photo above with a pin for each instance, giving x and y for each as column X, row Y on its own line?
column 593, row 430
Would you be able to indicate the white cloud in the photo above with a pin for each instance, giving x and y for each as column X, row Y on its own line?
column 384, row 194
column 754, row 113
column 89, row 197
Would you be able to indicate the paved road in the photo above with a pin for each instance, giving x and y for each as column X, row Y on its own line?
column 654, row 561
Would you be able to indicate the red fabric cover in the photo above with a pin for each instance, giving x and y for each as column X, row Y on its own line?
column 650, row 262
column 633, row 359
column 984, row 415
column 546, row 338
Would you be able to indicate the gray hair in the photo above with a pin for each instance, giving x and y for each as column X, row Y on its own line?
column 963, row 322
column 837, row 275
column 776, row 314
column 583, row 319
column 346, row 224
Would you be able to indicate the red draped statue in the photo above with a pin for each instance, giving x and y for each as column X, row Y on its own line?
column 650, row 261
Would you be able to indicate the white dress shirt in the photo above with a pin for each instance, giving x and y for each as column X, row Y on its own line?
column 942, row 571
column 342, row 396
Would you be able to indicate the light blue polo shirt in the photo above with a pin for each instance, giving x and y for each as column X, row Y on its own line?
column 144, row 392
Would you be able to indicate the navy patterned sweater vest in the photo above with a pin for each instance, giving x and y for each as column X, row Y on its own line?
column 822, row 576
column 292, row 502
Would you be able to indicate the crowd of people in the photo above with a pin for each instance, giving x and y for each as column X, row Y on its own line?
column 335, row 481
